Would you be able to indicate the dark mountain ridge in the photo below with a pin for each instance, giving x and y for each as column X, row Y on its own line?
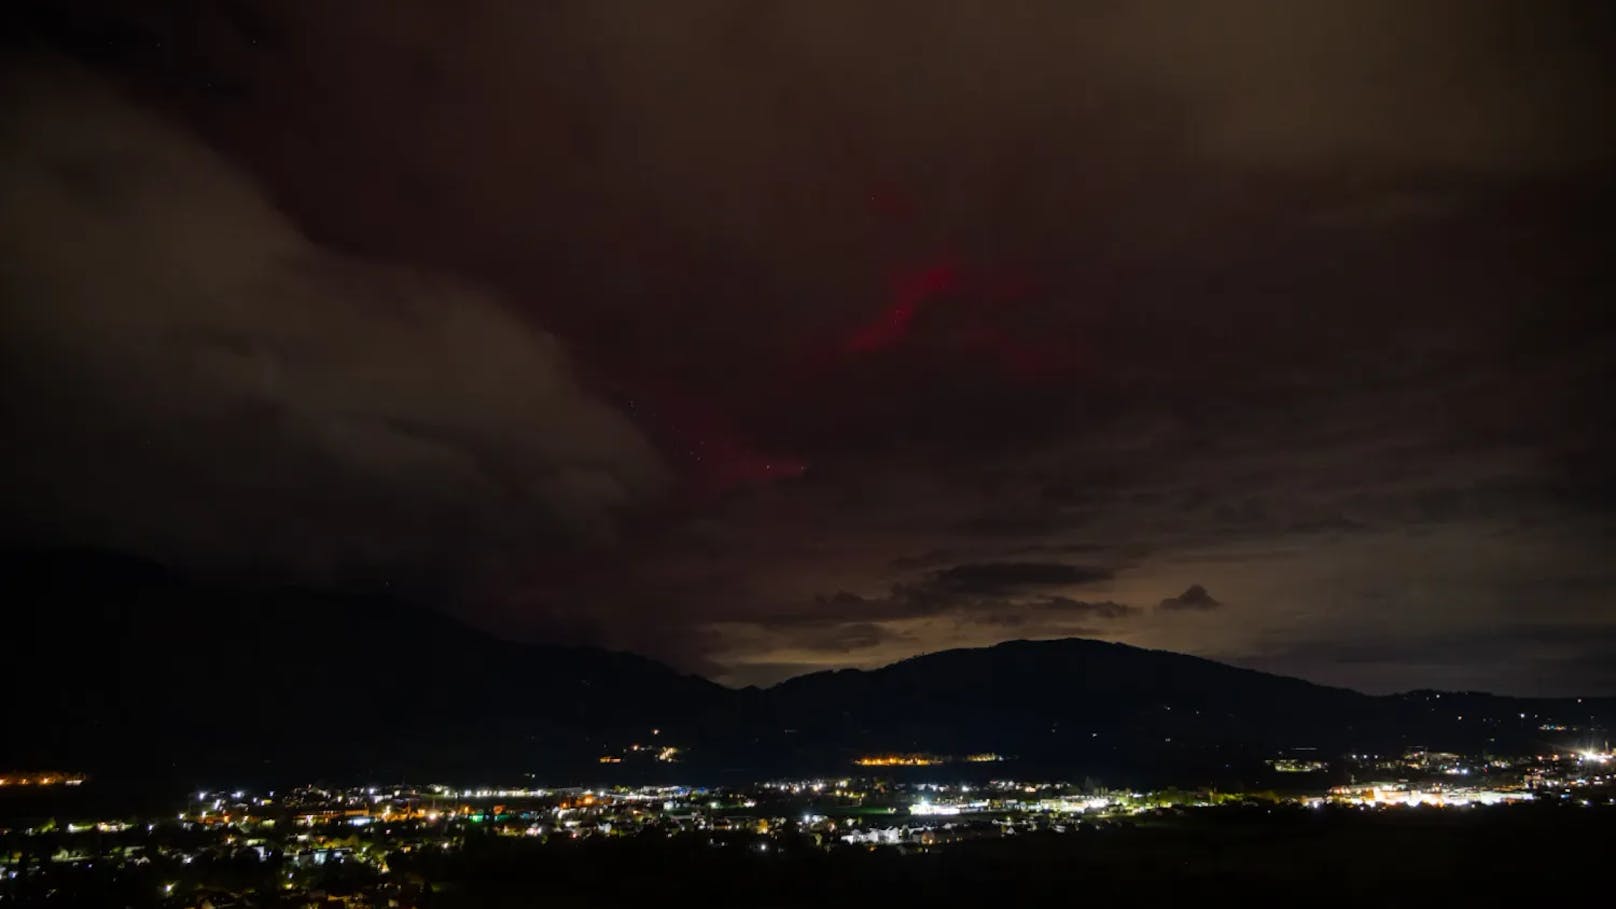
column 117, row 667
column 1077, row 701
column 114, row 663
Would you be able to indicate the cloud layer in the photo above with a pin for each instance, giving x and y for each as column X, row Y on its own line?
column 934, row 323
column 187, row 376
column 1195, row 597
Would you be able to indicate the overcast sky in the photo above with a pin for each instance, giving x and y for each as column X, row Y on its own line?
column 768, row 337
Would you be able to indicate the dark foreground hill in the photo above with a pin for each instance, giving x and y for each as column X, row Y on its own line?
column 115, row 664
column 117, row 667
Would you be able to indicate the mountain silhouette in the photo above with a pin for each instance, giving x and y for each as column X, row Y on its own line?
column 116, row 666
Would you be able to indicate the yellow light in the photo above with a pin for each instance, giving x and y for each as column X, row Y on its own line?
column 898, row 760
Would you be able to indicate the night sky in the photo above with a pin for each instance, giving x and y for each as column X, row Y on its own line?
column 764, row 337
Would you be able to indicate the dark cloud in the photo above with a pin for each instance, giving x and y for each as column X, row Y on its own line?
column 925, row 560
column 1102, row 609
column 1195, row 598
column 844, row 637
column 187, row 376
column 989, row 594
column 1056, row 612
column 1004, row 577
column 841, row 598
column 993, row 591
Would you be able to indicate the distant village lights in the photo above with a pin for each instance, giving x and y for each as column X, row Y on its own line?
column 899, row 760
column 923, row 760
column 42, row 778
